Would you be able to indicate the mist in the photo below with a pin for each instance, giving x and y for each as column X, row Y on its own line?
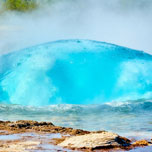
column 122, row 22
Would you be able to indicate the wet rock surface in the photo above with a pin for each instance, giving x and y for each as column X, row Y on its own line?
column 31, row 136
column 96, row 141
column 34, row 126
column 18, row 146
column 142, row 143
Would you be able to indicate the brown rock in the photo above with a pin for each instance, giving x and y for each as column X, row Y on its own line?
column 34, row 126
column 21, row 125
column 141, row 143
column 79, row 132
column 28, row 123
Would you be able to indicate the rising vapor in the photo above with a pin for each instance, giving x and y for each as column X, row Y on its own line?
column 123, row 22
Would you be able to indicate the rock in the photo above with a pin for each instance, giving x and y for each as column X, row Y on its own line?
column 95, row 141
column 19, row 146
column 34, row 126
column 79, row 132
column 28, row 123
column 71, row 138
column 141, row 143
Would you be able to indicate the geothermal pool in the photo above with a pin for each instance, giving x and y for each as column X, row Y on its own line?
column 79, row 83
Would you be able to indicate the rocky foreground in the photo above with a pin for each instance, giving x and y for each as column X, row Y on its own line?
column 32, row 136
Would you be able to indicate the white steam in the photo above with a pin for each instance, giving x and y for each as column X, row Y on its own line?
column 123, row 22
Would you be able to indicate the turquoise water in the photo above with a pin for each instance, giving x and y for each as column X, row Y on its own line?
column 79, row 83
column 75, row 72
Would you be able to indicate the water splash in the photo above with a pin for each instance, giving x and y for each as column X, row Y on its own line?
column 130, row 116
column 74, row 72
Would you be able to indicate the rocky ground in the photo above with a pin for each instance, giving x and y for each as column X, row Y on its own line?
column 33, row 136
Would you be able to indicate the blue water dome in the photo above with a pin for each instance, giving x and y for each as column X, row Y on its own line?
column 74, row 72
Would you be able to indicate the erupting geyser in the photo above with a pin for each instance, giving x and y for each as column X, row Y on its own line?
column 74, row 72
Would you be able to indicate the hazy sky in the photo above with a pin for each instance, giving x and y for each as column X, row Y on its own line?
column 123, row 22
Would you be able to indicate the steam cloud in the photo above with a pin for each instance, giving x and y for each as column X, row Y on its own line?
column 123, row 22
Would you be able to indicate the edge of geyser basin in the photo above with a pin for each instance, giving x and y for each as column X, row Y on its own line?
column 75, row 139
column 75, row 41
